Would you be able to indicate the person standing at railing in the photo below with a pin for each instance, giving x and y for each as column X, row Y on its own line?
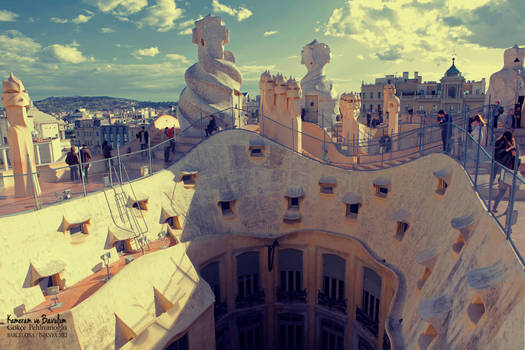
column 106, row 151
column 143, row 137
column 212, row 126
column 496, row 112
column 73, row 161
column 85, row 157
column 172, row 138
column 477, row 125
column 445, row 121
column 167, row 145
column 506, row 155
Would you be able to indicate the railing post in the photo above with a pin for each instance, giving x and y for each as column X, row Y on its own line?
column 81, row 170
column 492, row 176
column 119, row 164
column 510, row 206
column 31, row 174
column 477, row 159
column 149, row 154
column 233, row 116
column 324, row 136
column 110, row 164
column 491, row 125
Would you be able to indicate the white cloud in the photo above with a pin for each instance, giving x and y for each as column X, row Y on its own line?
column 187, row 31
column 428, row 30
column 119, row 7
column 58, row 20
column 255, row 68
column 161, row 16
column 241, row 13
column 150, row 52
column 177, row 57
column 107, row 30
column 64, row 53
column 81, row 19
column 271, row 32
column 17, row 48
column 7, row 16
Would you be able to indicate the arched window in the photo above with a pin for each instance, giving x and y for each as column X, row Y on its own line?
column 248, row 279
column 210, row 273
column 333, row 293
column 291, row 275
column 369, row 313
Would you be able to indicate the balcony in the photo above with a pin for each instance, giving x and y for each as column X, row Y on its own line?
column 332, row 303
column 366, row 321
column 250, row 300
column 284, row 296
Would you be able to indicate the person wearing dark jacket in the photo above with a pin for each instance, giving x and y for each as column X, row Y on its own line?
column 504, row 154
column 73, row 161
column 85, row 158
column 106, row 151
column 496, row 112
column 143, row 137
column 445, row 122
column 212, row 126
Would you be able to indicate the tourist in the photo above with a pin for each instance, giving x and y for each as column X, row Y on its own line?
column 496, row 112
column 477, row 125
column 85, row 158
column 503, row 143
column 445, row 121
column 167, row 145
column 143, row 136
column 106, row 151
column 172, row 138
column 517, row 114
column 506, row 155
column 212, row 126
column 73, row 162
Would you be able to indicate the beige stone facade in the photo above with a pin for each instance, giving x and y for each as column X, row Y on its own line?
column 453, row 93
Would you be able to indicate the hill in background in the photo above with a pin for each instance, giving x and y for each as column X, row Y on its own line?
column 95, row 103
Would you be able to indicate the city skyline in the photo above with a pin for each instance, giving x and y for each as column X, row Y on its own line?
column 140, row 49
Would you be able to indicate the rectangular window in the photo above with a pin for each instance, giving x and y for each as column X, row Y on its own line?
column 332, row 335
column 378, row 95
column 352, row 210
column 452, row 92
column 250, row 333
column 371, row 95
column 291, row 332
column 327, row 188
column 293, row 203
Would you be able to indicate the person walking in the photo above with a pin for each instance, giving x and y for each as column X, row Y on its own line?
column 445, row 122
column 143, row 136
column 85, row 158
column 106, row 151
column 496, row 112
column 73, row 161
column 506, row 157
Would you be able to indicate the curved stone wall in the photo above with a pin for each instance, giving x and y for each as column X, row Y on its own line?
column 257, row 188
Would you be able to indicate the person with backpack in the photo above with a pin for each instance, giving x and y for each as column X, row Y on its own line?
column 444, row 120
column 73, row 161
column 172, row 138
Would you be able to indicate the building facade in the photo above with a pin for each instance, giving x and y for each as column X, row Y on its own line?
column 453, row 93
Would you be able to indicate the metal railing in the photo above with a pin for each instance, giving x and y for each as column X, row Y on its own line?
column 493, row 182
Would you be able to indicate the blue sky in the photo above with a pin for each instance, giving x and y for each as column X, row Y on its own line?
column 141, row 48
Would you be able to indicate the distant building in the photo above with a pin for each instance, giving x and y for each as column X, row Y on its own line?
column 115, row 134
column 452, row 93
column 251, row 106
column 87, row 132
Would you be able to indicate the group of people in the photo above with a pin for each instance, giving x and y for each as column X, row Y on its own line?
column 511, row 120
column 79, row 163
